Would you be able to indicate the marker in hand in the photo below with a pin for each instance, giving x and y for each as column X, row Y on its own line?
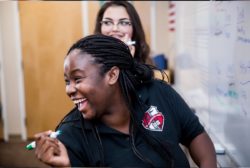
column 130, row 43
column 32, row 145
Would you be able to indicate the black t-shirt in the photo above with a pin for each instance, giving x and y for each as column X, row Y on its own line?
column 166, row 115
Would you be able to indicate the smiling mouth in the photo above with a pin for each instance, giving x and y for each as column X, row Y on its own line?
column 78, row 102
column 117, row 36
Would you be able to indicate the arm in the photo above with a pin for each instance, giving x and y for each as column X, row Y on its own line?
column 202, row 151
column 51, row 151
column 188, row 128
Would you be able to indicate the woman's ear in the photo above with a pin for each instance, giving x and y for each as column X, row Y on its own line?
column 113, row 75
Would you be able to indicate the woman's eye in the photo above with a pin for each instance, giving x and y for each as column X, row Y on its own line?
column 78, row 80
column 106, row 22
column 125, row 23
column 67, row 82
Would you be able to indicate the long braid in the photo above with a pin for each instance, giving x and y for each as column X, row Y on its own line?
column 110, row 52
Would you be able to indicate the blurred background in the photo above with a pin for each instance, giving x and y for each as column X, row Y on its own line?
column 205, row 46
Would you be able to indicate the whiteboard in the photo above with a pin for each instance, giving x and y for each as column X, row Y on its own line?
column 213, row 70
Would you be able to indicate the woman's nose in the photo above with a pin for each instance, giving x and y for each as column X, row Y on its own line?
column 115, row 27
column 70, row 89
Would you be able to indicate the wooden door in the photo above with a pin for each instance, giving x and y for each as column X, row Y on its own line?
column 48, row 29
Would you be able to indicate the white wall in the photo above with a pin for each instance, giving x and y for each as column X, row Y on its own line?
column 11, row 68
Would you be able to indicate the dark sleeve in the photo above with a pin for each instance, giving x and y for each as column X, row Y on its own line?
column 188, row 123
column 71, row 138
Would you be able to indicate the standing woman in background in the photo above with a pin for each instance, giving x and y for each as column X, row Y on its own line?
column 119, row 19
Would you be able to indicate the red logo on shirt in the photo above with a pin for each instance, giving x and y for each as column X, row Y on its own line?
column 153, row 119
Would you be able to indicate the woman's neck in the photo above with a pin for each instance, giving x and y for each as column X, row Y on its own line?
column 118, row 118
column 117, row 115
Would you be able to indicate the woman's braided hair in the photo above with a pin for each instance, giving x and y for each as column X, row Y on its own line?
column 110, row 52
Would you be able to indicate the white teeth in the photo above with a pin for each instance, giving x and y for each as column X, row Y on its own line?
column 78, row 101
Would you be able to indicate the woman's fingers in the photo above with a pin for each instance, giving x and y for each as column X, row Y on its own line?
column 44, row 146
column 47, row 149
column 62, row 159
column 46, row 133
column 132, row 50
column 127, row 39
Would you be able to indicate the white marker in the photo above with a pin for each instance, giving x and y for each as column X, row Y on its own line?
column 219, row 149
column 32, row 145
column 130, row 43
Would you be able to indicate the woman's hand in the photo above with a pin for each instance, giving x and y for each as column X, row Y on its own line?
column 131, row 47
column 50, row 150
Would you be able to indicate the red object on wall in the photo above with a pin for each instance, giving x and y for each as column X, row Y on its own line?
column 171, row 15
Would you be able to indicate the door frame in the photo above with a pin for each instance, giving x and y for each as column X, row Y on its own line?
column 3, row 94
column 11, row 31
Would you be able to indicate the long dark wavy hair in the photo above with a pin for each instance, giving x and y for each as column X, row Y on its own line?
column 109, row 52
column 142, row 49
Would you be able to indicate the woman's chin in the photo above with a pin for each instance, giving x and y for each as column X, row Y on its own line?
column 87, row 116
